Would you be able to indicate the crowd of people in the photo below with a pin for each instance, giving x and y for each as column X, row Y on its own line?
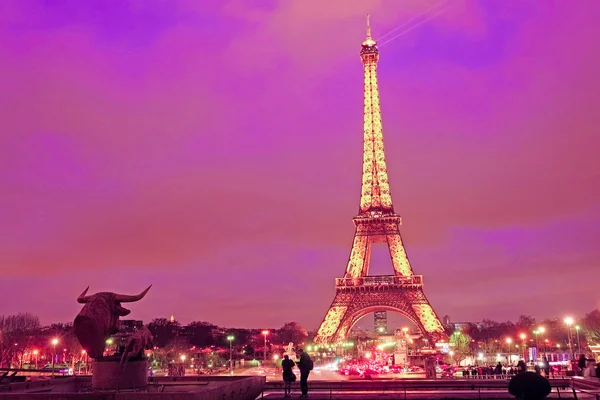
column 585, row 367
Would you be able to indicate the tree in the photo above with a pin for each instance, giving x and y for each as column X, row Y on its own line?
column 591, row 327
column 491, row 346
column 17, row 334
column 199, row 334
column 163, row 330
column 525, row 322
column 461, row 346
column 292, row 332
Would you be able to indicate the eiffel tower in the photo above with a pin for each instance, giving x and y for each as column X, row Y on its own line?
column 357, row 293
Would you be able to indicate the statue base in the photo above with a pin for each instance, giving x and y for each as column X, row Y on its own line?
column 109, row 375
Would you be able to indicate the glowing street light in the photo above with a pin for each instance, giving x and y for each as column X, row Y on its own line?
column 508, row 341
column 265, row 332
column 578, row 343
column 230, row 338
column 523, row 337
column 541, row 330
column 35, row 353
column 182, row 358
column 569, row 322
column 54, row 343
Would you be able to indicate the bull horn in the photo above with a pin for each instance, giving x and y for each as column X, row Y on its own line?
column 82, row 297
column 124, row 298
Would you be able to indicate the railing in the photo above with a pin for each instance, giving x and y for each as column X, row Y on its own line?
column 385, row 280
column 405, row 388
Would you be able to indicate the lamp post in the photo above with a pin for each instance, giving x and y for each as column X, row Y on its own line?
column 578, row 343
column 54, row 343
column 230, row 338
column 541, row 329
column 35, row 353
column 569, row 322
column 536, row 332
column 523, row 337
column 83, row 357
column 265, row 332
column 508, row 341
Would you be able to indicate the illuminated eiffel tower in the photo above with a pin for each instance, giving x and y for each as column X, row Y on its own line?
column 357, row 293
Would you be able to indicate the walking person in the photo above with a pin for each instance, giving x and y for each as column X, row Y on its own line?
column 288, row 374
column 305, row 365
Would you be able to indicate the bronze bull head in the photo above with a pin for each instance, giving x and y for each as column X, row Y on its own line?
column 99, row 318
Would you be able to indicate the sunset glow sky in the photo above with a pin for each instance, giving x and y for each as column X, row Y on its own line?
column 213, row 149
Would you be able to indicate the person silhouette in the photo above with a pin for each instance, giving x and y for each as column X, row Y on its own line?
column 305, row 365
column 287, row 374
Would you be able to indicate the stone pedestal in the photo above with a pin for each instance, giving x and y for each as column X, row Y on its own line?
column 108, row 375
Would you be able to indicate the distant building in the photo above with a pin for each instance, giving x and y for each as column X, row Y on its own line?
column 381, row 326
column 464, row 326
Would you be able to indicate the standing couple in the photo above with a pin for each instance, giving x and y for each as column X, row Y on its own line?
column 305, row 365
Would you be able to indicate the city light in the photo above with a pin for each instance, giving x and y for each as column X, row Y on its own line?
column 55, row 341
column 523, row 336
column 265, row 332
column 542, row 329
column 182, row 358
column 230, row 338
column 109, row 341
column 508, row 340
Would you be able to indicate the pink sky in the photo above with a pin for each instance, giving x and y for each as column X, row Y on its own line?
column 214, row 152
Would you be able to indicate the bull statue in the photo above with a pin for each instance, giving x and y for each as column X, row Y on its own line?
column 141, row 340
column 99, row 318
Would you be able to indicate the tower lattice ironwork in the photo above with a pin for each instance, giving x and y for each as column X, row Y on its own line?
column 357, row 293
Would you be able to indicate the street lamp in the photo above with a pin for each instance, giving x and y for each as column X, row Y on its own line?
column 54, row 343
column 569, row 322
column 541, row 329
column 230, row 338
column 83, row 358
column 182, row 358
column 578, row 343
column 35, row 353
column 451, row 356
column 523, row 337
column 536, row 333
column 265, row 332
column 508, row 341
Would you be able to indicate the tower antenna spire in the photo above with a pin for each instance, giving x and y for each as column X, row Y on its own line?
column 369, row 26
